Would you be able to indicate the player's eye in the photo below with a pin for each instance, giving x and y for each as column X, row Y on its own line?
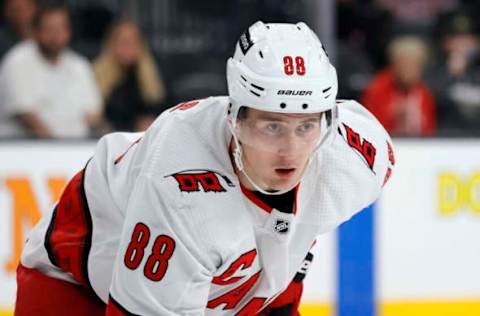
column 273, row 128
column 306, row 127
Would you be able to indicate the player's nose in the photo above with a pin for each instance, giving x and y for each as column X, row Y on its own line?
column 288, row 146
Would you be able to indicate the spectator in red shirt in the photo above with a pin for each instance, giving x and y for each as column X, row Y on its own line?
column 398, row 96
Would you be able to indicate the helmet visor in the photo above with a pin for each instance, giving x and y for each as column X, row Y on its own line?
column 283, row 133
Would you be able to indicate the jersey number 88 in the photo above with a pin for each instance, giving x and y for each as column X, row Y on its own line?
column 157, row 263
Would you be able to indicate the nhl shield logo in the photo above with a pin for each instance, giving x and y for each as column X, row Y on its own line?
column 281, row 226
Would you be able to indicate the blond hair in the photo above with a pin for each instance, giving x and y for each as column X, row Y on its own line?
column 108, row 71
column 408, row 46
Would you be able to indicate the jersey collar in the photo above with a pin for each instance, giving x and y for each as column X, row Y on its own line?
column 261, row 204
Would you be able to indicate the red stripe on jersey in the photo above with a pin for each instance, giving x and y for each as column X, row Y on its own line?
column 295, row 204
column 258, row 202
column 69, row 235
column 252, row 197
column 119, row 158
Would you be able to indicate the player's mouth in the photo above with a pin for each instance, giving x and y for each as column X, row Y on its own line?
column 285, row 172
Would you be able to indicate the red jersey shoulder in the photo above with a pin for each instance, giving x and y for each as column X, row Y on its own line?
column 366, row 138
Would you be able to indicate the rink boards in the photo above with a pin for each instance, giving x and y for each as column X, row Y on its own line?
column 415, row 252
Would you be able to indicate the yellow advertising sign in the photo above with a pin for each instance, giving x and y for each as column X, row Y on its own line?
column 456, row 193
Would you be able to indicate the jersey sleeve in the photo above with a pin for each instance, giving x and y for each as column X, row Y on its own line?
column 368, row 142
column 162, row 266
column 356, row 167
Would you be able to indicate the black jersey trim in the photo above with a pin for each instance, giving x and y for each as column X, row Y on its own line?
column 88, row 237
column 48, row 234
column 88, row 234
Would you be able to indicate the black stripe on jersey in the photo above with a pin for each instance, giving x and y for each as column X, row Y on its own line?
column 339, row 131
column 87, row 242
column 88, row 237
column 46, row 242
column 120, row 307
column 302, row 272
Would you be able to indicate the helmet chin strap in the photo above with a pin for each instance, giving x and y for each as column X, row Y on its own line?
column 237, row 157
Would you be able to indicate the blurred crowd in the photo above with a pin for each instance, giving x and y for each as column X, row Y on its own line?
column 47, row 90
column 414, row 64
column 65, row 74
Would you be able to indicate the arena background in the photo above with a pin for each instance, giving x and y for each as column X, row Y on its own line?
column 414, row 252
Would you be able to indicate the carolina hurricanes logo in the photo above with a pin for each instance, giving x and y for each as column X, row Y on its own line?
column 362, row 146
column 198, row 180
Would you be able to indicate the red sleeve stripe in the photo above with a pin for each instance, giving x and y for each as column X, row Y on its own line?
column 252, row 197
column 69, row 235
column 115, row 309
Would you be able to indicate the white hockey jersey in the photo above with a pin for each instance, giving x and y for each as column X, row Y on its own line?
column 159, row 222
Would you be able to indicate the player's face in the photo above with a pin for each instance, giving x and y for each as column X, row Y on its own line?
column 277, row 146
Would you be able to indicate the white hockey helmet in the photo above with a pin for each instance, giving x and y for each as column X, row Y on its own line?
column 281, row 67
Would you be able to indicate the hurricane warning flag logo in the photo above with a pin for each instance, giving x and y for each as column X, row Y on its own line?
column 201, row 180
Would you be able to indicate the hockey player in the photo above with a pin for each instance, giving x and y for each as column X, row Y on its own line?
column 214, row 209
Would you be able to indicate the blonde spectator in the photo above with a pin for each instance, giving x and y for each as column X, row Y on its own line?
column 398, row 96
column 128, row 79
